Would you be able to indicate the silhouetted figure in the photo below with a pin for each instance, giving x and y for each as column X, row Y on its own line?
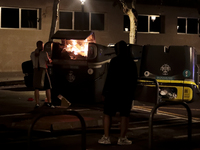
column 118, row 92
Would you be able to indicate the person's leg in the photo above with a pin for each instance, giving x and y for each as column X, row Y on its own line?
column 107, row 119
column 125, row 110
column 107, row 125
column 48, row 95
column 124, row 126
column 36, row 93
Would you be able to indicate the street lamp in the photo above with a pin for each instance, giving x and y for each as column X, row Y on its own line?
column 82, row 6
column 153, row 18
column 82, row 2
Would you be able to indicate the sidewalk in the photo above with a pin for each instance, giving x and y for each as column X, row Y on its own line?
column 11, row 78
column 56, row 119
column 92, row 119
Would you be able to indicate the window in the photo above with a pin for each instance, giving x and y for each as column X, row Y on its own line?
column 188, row 25
column 147, row 23
column 199, row 26
column 28, row 18
column 12, row 21
column 192, row 26
column 66, row 18
column 181, row 27
column 97, row 21
column 126, row 23
column 142, row 24
column 81, row 21
column 19, row 18
column 155, row 24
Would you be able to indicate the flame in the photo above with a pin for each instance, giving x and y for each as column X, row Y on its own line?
column 79, row 47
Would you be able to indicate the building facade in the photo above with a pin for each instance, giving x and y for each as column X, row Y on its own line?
column 24, row 22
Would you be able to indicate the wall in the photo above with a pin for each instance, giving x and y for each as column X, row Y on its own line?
column 17, row 44
column 170, row 37
column 113, row 19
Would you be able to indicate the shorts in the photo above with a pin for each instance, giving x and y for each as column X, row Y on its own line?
column 41, row 79
column 113, row 105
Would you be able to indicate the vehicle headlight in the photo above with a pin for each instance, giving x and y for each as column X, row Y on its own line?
column 170, row 93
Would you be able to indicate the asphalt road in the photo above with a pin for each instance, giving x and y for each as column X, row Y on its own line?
column 170, row 126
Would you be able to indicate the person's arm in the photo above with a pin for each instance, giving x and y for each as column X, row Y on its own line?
column 48, row 59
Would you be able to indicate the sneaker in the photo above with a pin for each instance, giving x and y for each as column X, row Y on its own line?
column 124, row 141
column 104, row 140
column 52, row 106
column 37, row 106
column 49, row 105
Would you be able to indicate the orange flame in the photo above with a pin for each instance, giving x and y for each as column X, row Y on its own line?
column 77, row 47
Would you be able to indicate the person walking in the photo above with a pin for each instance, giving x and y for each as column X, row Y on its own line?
column 41, row 79
column 118, row 92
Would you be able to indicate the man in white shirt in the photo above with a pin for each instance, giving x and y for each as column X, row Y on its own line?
column 41, row 78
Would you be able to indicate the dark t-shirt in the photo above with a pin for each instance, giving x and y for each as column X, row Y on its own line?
column 121, row 79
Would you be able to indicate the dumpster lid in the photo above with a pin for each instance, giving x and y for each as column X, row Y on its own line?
column 75, row 35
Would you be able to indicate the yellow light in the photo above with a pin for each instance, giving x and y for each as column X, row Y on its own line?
column 153, row 18
column 82, row 2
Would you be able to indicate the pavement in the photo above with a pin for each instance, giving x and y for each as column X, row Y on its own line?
column 55, row 122
column 11, row 78
column 63, row 119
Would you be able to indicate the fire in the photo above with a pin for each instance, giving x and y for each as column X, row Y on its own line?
column 77, row 47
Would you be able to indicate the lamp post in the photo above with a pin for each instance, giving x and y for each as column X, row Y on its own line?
column 82, row 8
column 82, row 2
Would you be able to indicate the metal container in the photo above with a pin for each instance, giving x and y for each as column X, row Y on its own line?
column 78, row 76
column 175, row 69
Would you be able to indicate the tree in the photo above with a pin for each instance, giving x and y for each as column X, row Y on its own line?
column 128, row 7
column 55, row 13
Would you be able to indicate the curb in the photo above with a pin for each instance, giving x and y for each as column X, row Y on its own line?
column 75, row 125
column 51, row 124
column 8, row 83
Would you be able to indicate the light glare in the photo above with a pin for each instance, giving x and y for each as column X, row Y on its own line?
column 82, row 2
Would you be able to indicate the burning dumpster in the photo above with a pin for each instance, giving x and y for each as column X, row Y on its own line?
column 175, row 69
column 79, row 66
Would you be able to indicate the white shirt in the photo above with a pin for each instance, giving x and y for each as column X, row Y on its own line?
column 43, row 59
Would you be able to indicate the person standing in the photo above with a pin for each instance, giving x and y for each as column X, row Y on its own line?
column 118, row 92
column 41, row 79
